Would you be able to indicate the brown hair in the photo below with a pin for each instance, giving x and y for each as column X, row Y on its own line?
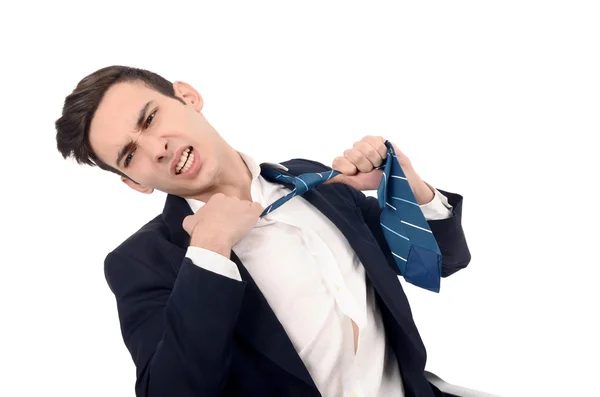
column 73, row 127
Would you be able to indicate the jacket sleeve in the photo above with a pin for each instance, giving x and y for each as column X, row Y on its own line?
column 178, row 330
column 448, row 232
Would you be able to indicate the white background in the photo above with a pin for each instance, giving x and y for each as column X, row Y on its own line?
column 496, row 101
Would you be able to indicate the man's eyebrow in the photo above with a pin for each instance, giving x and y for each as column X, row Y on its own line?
column 124, row 150
column 138, row 126
column 142, row 115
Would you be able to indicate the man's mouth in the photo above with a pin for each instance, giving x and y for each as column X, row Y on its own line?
column 185, row 161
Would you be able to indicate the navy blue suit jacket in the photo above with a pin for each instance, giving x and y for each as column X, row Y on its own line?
column 192, row 332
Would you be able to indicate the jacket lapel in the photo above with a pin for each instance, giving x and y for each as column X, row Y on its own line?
column 257, row 324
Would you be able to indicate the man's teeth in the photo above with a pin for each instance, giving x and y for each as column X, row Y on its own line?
column 184, row 160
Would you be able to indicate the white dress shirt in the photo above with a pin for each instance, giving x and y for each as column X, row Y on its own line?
column 316, row 286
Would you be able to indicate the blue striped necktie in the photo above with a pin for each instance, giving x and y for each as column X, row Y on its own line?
column 404, row 226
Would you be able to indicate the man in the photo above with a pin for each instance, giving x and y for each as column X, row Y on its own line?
column 215, row 300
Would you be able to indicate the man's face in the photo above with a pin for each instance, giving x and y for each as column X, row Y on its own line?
column 156, row 140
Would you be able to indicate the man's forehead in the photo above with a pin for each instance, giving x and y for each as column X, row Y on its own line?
column 120, row 106
column 126, row 97
column 117, row 114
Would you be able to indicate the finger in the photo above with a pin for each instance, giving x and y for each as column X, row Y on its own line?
column 341, row 178
column 344, row 166
column 378, row 142
column 358, row 159
column 370, row 152
column 189, row 223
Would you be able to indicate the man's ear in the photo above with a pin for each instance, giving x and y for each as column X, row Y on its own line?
column 136, row 186
column 188, row 94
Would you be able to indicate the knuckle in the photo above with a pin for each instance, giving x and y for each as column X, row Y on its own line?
column 364, row 167
column 375, row 141
column 351, row 155
column 345, row 166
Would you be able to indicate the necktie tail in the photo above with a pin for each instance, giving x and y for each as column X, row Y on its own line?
column 405, row 228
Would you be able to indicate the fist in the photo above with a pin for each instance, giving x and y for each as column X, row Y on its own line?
column 222, row 222
column 357, row 165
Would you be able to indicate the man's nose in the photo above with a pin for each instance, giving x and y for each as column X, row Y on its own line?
column 158, row 148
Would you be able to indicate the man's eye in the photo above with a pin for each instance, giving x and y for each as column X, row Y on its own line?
column 129, row 158
column 149, row 119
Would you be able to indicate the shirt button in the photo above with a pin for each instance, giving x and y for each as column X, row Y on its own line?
column 353, row 395
column 337, row 288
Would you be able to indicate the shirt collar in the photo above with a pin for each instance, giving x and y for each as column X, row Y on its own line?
column 255, row 191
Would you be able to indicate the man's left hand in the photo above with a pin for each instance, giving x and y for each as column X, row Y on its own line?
column 357, row 167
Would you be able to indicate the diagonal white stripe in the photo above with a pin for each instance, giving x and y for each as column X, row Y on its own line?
column 399, row 257
column 407, row 201
column 303, row 182
column 399, row 177
column 418, row 227
column 404, row 237
column 391, row 206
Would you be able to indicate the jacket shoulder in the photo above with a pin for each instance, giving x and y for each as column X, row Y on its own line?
column 149, row 241
column 147, row 234
column 147, row 250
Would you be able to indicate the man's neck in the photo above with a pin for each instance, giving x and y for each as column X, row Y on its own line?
column 234, row 180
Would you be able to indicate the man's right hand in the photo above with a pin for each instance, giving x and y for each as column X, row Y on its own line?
column 221, row 223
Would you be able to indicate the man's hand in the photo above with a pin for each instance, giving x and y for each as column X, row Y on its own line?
column 221, row 223
column 357, row 167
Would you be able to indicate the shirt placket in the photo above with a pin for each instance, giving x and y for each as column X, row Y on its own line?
column 331, row 273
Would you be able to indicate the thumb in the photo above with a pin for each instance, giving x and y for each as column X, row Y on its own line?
column 341, row 178
column 188, row 224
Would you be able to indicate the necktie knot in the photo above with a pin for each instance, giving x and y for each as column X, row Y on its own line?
column 298, row 184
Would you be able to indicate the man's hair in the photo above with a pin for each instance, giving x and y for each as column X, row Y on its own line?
column 73, row 127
